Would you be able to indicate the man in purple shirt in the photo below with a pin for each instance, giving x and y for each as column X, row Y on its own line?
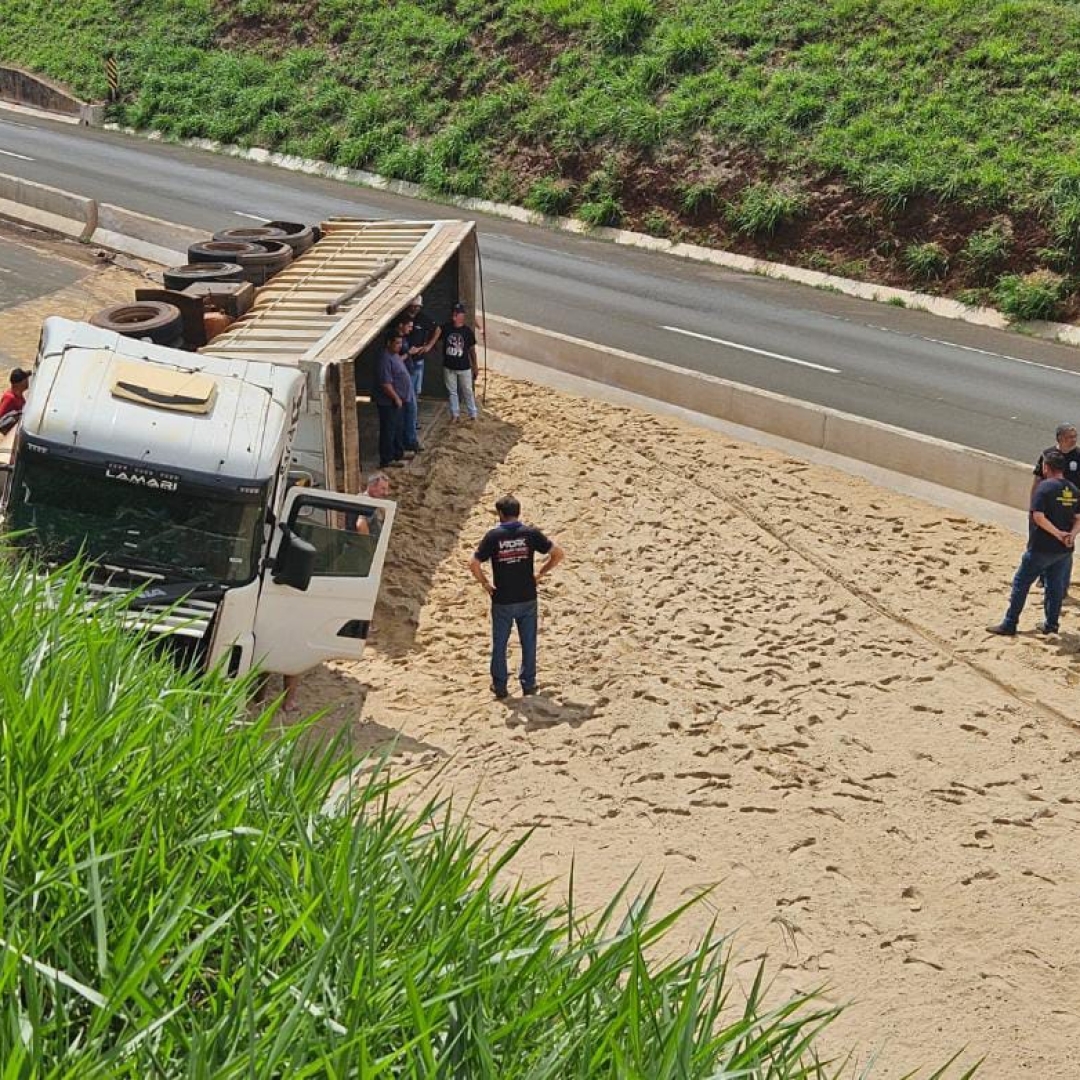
column 393, row 395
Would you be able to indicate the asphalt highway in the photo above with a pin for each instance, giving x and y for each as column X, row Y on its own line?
column 993, row 390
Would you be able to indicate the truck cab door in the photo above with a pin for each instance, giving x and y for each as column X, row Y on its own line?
column 297, row 627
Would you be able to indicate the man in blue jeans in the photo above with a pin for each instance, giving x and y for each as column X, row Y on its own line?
column 510, row 548
column 1053, row 525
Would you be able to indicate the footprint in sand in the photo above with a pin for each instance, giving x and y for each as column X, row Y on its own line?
column 913, row 897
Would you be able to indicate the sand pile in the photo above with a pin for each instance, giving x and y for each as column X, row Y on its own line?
column 766, row 676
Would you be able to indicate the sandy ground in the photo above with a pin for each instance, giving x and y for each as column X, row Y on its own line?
column 765, row 676
column 756, row 674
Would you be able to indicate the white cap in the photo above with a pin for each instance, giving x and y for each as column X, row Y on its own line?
column 417, row 301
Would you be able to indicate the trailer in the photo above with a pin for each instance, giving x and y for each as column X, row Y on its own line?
column 221, row 485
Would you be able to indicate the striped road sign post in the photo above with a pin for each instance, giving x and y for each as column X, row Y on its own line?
column 112, row 77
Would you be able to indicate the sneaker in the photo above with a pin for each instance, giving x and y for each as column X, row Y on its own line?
column 1002, row 630
column 528, row 691
column 499, row 691
column 417, row 449
column 399, row 464
column 1042, row 628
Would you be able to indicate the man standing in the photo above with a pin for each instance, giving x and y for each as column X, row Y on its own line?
column 412, row 408
column 459, row 363
column 510, row 547
column 421, row 341
column 393, row 391
column 1065, row 439
column 13, row 400
column 1052, row 529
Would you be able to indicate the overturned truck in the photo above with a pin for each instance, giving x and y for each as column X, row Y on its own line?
column 221, row 485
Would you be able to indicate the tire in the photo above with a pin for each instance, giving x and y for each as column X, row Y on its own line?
column 260, row 267
column 251, row 234
column 146, row 319
column 217, row 251
column 299, row 237
column 180, row 277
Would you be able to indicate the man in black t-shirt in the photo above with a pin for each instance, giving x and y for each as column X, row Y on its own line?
column 460, row 368
column 1053, row 525
column 1065, row 439
column 510, row 548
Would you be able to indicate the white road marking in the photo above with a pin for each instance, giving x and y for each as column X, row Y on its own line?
column 11, row 153
column 15, row 123
column 253, row 217
column 751, row 349
column 951, row 344
column 4, row 270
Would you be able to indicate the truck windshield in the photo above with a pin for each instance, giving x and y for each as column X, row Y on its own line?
column 179, row 531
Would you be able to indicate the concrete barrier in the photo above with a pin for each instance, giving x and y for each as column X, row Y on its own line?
column 33, row 91
column 960, row 468
column 145, row 237
column 47, row 207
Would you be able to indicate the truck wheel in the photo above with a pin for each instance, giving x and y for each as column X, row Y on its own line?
column 299, row 237
column 260, row 267
column 252, row 234
column 148, row 319
column 180, row 277
column 217, row 251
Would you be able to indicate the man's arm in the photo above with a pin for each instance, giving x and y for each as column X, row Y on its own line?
column 1048, row 526
column 555, row 556
column 436, row 333
column 472, row 361
column 478, row 572
column 392, row 394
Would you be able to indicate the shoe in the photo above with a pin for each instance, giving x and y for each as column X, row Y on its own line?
column 1042, row 628
column 1002, row 630
column 499, row 691
column 399, row 464
column 417, row 449
column 528, row 691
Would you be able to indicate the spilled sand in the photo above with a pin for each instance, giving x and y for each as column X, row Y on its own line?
column 759, row 675
column 764, row 676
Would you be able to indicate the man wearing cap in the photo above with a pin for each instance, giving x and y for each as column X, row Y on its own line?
column 1053, row 524
column 459, row 363
column 420, row 342
column 14, row 399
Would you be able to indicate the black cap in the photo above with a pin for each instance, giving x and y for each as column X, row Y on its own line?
column 458, row 308
column 18, row 375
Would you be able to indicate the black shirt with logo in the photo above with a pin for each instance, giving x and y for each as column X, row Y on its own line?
column 1060, row 502
column 457, row 341
column 510, row 548
column 1072, row 465
column 422, row 329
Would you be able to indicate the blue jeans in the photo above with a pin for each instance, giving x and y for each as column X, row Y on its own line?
column 408, row 425
column 417, row 374
column 503, row 618
column 459, row 385
column 1055, row 569
column 391, row 433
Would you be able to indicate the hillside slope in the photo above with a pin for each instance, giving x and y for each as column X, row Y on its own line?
column 928, row 142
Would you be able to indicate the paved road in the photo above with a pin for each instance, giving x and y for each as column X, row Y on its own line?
column 988, row 389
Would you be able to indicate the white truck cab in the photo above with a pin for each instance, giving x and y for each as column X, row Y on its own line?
column 169, row 472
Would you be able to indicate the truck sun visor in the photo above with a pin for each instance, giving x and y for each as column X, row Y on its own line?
column 178, row 391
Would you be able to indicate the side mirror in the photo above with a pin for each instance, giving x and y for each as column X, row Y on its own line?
column 295, row 562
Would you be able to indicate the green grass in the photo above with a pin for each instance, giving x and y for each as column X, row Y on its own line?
column 182, row 896
column 1023, row 297
column 974, row 104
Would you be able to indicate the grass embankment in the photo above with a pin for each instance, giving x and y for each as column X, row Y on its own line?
column 927, row 142
column 177, row 902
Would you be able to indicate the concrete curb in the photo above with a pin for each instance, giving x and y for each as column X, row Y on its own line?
column 44, row 97
column 947, row 464
column 1065, row 333
column 950, row 465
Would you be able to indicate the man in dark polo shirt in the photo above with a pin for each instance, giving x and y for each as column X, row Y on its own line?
column 393, row 394
column 1052, row 528
column 1065, row 440
column 510, row 548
